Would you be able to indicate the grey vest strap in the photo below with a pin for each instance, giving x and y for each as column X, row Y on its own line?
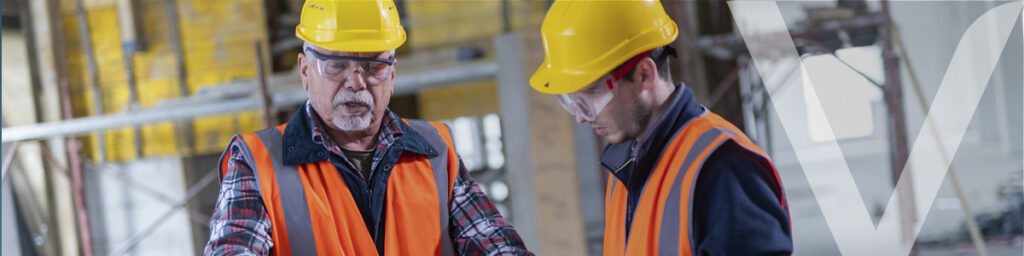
column 293, row 195
column 239, row 145
column 439, row 164
column 668, row 238
column 611, row 189
column 293, row 198
column 220, row 161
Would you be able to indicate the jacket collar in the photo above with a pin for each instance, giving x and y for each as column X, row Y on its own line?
column 299, row 148
column 642, row 153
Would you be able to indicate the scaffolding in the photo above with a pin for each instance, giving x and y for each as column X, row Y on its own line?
column 405, row 84
column 755, row 103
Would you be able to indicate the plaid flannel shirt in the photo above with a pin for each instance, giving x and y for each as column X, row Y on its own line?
column 241, row 225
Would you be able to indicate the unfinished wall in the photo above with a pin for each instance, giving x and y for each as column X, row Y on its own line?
column 217, row 40
column 437, row 23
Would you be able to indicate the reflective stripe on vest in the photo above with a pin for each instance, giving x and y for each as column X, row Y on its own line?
column 661, row 222
column 335, row 226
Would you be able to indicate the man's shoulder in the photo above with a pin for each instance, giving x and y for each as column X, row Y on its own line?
column 410, row 121
column 732, row 163
column 732, row 153
column 240, row 143
column 420, row 125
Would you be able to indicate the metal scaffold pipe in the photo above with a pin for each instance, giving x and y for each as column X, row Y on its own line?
column 404, row 84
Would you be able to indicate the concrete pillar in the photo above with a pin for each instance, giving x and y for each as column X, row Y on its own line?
column 47, row 40
column 541, row 153
column 19, row 108
column 11, row 242
column 688, row 66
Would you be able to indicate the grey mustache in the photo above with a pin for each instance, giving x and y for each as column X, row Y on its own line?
column 350, row 96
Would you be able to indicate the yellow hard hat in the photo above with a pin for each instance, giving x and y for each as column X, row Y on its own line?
column 584, row 40
column 351, row 25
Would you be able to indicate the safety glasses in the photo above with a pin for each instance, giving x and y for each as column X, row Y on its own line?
column 588, row 102
column 339, row 68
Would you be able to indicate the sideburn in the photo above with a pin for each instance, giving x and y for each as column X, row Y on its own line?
column 639, row 115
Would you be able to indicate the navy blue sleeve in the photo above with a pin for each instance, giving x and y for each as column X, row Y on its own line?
column 736, row 207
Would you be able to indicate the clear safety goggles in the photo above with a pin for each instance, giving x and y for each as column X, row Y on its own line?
column 588, row 102
column 339, row 68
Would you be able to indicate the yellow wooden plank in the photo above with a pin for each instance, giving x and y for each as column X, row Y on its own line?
column 217, row 38
column 473, row 99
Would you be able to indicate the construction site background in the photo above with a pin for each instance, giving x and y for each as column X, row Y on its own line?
column 116, row 111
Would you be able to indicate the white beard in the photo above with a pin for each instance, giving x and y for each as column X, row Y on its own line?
column 349, row 122
column 353, row 122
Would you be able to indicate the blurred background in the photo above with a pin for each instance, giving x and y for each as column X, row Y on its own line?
column 115, row 112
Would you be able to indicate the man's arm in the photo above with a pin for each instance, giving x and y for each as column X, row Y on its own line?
column 736, row 208
column 477, row 228
column 240, row 224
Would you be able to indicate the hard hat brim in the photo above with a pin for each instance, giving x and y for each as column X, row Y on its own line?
column 553, row 81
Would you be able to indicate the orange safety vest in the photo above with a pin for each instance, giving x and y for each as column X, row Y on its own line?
column 312, row 211
column 661, row 222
